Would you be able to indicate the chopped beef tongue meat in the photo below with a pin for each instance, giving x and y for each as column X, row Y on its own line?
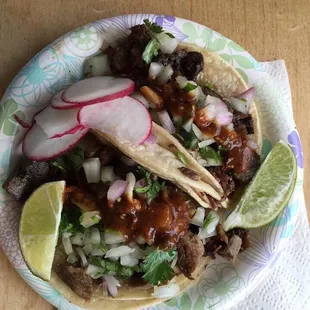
column 77, row 279
column 229, row 244
column 225, row 179
column 190, row 251
column 232, row 249
column 241, row 119
column 245, row 177
column 28, row 178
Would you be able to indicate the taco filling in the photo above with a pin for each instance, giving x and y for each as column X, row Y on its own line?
column 141, row 216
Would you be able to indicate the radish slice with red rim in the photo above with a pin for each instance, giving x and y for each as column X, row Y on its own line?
column 97, row 89
column 21, row 122
column 57, row 123
column 36, row 145
column 58, row 104
column 126, row 118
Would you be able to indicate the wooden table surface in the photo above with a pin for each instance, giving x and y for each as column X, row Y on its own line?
column 267, row 29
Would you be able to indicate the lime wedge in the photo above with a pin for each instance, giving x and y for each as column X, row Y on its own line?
column 269, row 192
column 38, row 228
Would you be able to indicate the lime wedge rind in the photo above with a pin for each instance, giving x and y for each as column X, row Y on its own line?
column 269, row 192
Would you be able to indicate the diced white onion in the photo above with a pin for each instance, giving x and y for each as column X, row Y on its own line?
column 128, row 260
column 93, row 269
column 112, row 236
column 92, row 236
column 131, row 181
column 97, row 65
column 182, row 81
column 107, row 174
column 87, row 249
column 210, row 230
column 155, row 69
column 243, row 101
column 199, row 216
column 166, row 291
column 166, row 121
column 92, row 169
column 138, row 253
column 165, row 75
column 197, row 132
column 67, row 244
column 205, row 143
column 72, row 258
column 119, row 251
column 89, row 219
column 141, row 98
column 167, row 44
column 97, row 252
column 116, row 190
column 174, row 262
column 77, row 239
column 188, row 125
column 82, row 256
column 112, row 284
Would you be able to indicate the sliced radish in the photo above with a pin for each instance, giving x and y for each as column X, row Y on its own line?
column 58, row 104
column 97, row 89
column 57, row 123
column 126, row 118
column 36, row 145
column 21, row 122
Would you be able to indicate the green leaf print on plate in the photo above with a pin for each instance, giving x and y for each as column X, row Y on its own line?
column 186, row 302
column 217, row 45
column 172, row 302
column 200, row 304
column 226, row 57
column 243, row 62
column 236, row 47
column 8, row 124
column 190, row 30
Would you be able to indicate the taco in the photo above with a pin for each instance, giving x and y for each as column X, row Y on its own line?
column 144, row 228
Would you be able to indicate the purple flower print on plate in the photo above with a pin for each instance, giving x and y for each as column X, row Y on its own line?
column 294, row 141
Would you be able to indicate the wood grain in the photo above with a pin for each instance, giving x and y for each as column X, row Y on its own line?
column 267, row 29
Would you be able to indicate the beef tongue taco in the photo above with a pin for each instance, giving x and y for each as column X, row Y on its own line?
column 141, row 221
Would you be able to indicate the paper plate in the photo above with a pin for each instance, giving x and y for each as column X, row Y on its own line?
column 60, row 64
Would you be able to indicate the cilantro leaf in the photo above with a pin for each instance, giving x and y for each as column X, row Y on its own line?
column 153, row 187
column 153, row 26
column 170, row 35
column 70, row 162
column 156, row 268
column 210, row 85
column 182, row 157
column 187, row 139
column 189, row 87
column 151, row 50
column 70, row 221
column 208, row 153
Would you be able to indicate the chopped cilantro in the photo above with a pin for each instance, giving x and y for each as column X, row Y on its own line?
column 70, row 162
column 243, row 99
column 151, row 50
column 70, row 221
column 182, row 158
column 210, row 85
column 208, row 153
column 153, row 26
column 153, row 187
column 187, row 139
column 170, row 35
column 113, row 268
column 209, row 219
column 189, row 87
column 156, row 268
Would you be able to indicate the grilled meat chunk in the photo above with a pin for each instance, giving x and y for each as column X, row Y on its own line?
column 77, row 279
column 232, row 249
column 241, row 119
column 28, row 178
column 190, row 251
column 245, row 177
column 192, row 64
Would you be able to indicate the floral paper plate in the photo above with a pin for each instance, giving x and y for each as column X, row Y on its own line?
column 60, row 64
